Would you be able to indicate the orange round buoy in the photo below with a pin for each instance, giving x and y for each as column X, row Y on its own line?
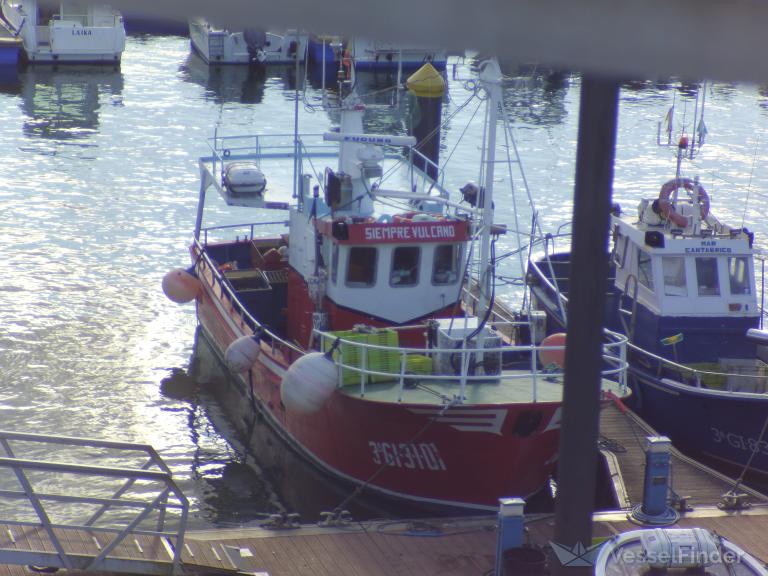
column 553, row 357
column 181, row 286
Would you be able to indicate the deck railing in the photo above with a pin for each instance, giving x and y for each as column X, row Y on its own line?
column 356, row 359
column 755, row 379
column 663, row 366
column 258, row 147
column 246, row 321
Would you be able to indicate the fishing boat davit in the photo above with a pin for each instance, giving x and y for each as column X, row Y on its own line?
column 366, row 334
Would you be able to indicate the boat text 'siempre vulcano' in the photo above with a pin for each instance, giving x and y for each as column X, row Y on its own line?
column 367, row 334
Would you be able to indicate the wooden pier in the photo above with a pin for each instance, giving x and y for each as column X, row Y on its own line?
column 445, row 546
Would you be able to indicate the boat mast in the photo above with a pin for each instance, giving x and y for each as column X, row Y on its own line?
column 490, row 78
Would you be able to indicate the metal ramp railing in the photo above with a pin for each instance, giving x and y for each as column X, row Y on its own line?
column 85, row 516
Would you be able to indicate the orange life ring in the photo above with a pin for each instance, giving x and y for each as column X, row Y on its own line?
column 668, row 210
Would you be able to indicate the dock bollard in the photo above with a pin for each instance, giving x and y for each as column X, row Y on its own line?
column 510, row 534
column 654, row 509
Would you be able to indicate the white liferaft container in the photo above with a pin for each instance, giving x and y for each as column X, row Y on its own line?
column 244, row 178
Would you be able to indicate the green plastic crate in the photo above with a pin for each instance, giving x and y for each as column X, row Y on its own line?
column 418, row 364
column 377, row 360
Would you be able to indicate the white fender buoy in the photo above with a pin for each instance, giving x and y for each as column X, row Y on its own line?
column 180, row 286
column 308, row 383
column 550, row 357
column 241, row 355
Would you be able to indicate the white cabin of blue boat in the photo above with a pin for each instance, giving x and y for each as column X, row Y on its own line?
column 692, row 275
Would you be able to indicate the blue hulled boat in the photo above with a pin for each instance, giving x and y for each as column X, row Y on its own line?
column 682, row 288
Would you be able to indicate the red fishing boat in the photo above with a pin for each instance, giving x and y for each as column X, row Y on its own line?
column 363, row 327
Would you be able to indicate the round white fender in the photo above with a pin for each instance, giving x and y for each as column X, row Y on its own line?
column 308, row 383
column 242, row 354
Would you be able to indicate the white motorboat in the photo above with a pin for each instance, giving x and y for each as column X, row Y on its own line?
column 370, row 54
column 69, row 31
column 248, row 46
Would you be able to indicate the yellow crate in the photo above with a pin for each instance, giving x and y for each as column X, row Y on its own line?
column 376, row 359
column 418, row 364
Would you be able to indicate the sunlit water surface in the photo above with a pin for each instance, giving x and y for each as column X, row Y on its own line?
column 98, row 193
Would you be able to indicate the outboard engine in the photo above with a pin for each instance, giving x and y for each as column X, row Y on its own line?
column 256, row 40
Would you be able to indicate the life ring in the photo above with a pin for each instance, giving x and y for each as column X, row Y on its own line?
column 668, row 210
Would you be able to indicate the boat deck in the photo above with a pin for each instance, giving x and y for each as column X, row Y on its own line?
column 517, row 386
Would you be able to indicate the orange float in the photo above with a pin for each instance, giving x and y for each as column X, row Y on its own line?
column 553, row 357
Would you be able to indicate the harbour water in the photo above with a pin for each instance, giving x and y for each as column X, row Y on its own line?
column 98, row 196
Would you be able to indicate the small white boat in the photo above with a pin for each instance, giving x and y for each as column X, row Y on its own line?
column 379, row 55
column 69, row 31
column 247, row 46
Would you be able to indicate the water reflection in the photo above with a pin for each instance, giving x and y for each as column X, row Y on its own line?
column 537, row 97
column 239, row 83
column 63, row 103
column 9, row 80
column 232, row 83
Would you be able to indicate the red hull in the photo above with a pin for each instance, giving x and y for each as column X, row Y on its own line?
column 462, row 456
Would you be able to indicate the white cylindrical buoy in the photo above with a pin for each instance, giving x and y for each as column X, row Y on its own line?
column 242, row 353
column 180, row 286
column 308, row 383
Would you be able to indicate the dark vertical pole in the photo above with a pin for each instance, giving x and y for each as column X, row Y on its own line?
column 589, row 270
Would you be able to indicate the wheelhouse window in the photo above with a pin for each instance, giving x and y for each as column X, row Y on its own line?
column 738, row 271
column 644, row 269
column 405, row 266
column 446, row 265
column 334, row 262
column 361, row 269
column 620, row 250
column 674, row 276
column 707, row 277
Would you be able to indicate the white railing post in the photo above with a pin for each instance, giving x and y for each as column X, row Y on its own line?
column 623, row 367
column 464, row 371
column 534, row 373
column 402, row 376
column 363, row 368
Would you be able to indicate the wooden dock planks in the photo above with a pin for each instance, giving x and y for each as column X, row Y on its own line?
column 455, row 547
column 701, row 484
